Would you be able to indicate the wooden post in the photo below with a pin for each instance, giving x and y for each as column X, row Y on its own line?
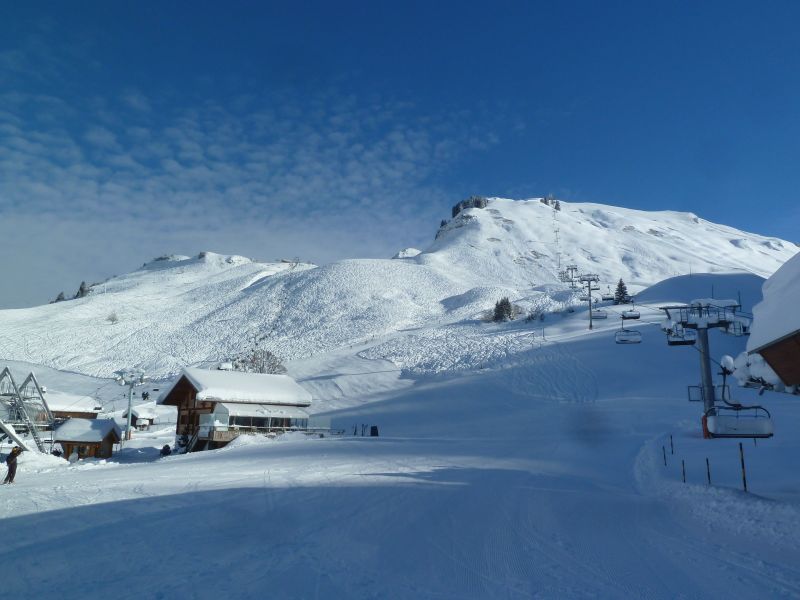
column 671, row 447
column 744, row 474
column 664, row 451
column 683, row 470
column 708, row 471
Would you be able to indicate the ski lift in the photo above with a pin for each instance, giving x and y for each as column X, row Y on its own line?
column 734, row 420
column 736, row 328
column 631, row 313
column 738, row 421
column 680, row 336
column 599, row 313
column 608, row 295
column 628, row 336
column 583, row 297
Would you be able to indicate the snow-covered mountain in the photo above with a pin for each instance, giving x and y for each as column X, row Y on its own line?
column 178, row 311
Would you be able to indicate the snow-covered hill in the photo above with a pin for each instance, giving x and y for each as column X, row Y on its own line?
column 179, row 311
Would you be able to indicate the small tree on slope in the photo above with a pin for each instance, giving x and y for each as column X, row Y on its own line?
column 621, row 293
column 503, row 310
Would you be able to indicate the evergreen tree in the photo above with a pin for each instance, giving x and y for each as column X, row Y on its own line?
column 59, row 298
column 83, row 290
column 621, row 293
column 557, row 205
column 503, row 310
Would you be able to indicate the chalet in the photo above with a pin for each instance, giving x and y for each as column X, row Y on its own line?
column 214, row 407
column 775, row 333
column 783, row 356
column 69, row 406
column 88, row 438
column 142, row 416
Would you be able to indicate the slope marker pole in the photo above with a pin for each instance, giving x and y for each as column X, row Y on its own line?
column 744, row 474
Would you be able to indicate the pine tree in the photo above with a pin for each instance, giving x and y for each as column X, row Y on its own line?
column 83, row 290
column 621, row 293
column 503, row 310
column 59, row 298
column 557, row 205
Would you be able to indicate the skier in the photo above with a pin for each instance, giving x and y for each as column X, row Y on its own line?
column 11, row 463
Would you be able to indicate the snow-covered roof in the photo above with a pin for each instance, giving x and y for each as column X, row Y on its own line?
column 776, row 316
column 238, row 387
column 143, row 411
column 63, row 402
column 261, row 410
column 86, row 430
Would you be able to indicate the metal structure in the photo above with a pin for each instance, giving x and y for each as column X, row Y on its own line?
column 558, row 242
column 568, row 275
column 689, row 325
column 680, row 336
column 130, row 378
column 732, row 419
column 23, row 410
column 627, row 336
column 590, row 280
column 632, row 313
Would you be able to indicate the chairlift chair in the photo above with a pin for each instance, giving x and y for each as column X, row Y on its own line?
column 630, row 314
column 598, row 313
column 628, row 336
column 738, row 421
column 682, row 337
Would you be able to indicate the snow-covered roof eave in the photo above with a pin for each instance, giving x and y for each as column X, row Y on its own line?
column 239, row 387
column 773, row 342
column 87, row 431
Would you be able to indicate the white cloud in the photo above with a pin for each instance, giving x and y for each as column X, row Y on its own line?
column 335, row 180
column 101, row 138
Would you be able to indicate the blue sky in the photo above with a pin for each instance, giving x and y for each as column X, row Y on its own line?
column 329, row 130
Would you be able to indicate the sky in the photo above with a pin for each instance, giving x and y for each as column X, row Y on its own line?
column 330, row 130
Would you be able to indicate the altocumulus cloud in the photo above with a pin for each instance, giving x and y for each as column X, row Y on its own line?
column 103, row 185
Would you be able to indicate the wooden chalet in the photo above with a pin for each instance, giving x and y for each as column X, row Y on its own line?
column 783, row 355
column 69, row 406
column 214, row 407
column 775, row 333
column 88, row 438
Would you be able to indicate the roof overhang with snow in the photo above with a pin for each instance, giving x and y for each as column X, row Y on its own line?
column 783, row 356
column 775, row 333
column 261, row 410
column 242, row 388
column 70, row 403
column 87, row 431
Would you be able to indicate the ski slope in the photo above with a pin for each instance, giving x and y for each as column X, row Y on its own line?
column 533, row 474
column 199, row 311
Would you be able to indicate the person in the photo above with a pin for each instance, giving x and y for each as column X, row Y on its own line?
column 11, row 463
